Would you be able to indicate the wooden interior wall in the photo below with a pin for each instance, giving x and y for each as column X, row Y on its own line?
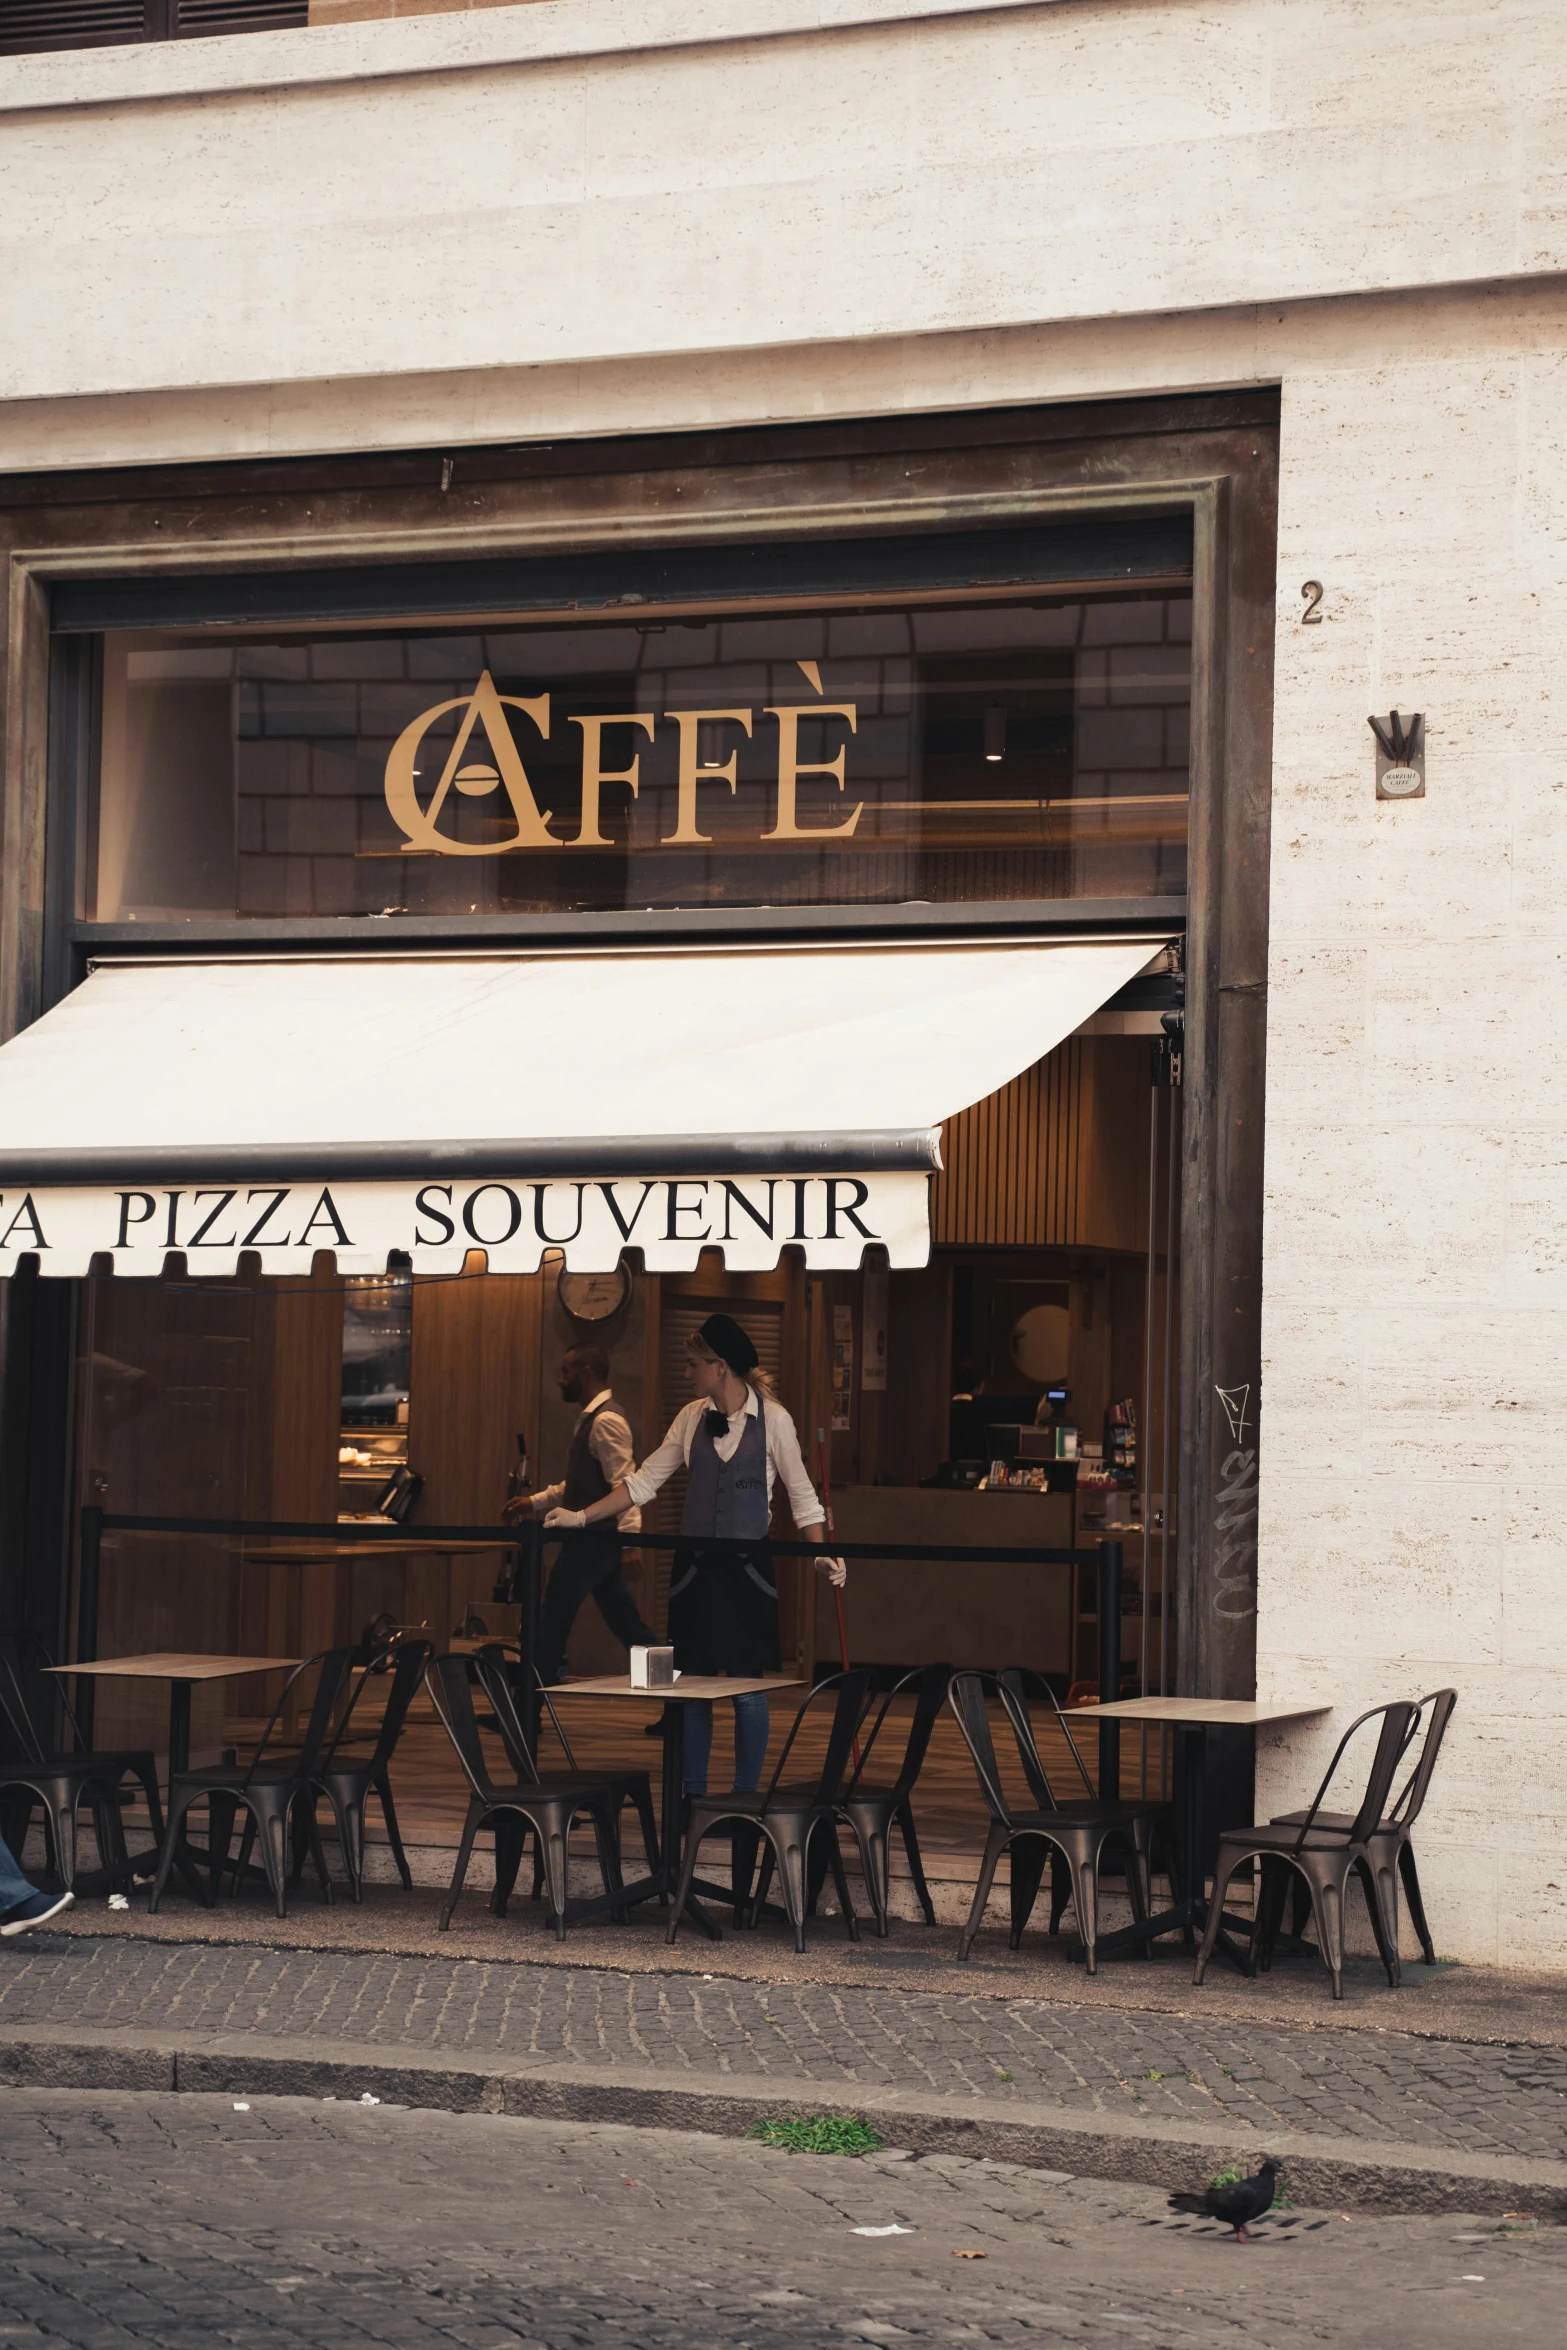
column 915, row 1413
column 473, row 1382
column 295, row 1406
column 165, row 1429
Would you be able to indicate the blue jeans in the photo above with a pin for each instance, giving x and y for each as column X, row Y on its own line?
column 13, row 1885
column 751, row 1726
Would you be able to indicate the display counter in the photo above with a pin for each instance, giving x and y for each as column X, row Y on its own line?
column 966, row 1612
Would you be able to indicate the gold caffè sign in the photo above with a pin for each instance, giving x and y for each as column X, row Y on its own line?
column 484, row 716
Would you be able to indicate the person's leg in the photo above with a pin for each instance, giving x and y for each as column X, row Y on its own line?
column 572, row 1577
column 617, row 1604
column 21, row 1904
column 698, row 1744
column 751, row 1727
column 14, row 1887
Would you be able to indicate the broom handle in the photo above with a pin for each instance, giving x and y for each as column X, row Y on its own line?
column 832, row 1537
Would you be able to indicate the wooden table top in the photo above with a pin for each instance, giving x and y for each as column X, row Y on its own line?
column 688, row 1685
column 172, row 1664
column 1242, row 1713
column 298, row 1552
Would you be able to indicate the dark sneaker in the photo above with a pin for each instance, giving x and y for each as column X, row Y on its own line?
column 36, row 1910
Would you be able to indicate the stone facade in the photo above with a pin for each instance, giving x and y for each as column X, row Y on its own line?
column 580, row 217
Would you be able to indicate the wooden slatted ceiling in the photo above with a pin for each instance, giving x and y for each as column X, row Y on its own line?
column 1013, row 1162
column 1056, row 1159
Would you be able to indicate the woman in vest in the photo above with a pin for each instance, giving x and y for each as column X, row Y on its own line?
column 736, row 1440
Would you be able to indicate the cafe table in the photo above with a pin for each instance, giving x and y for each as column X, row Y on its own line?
column 665, row 1880
column 1192, row 1719
column 182, row 1671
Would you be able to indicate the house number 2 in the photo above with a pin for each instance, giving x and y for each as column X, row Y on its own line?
column 1312, row 616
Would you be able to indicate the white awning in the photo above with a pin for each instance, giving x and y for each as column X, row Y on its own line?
column 664, row 1100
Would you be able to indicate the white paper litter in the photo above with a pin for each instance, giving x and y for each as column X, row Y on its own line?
column 119, row 1901
column 365, row 2098
column 240, row 2106
column 894, row 2230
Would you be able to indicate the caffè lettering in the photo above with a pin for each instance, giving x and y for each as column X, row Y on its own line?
column 485, row 711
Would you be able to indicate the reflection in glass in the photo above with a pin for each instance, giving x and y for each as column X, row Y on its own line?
column 970, row 750
column 377, row 1349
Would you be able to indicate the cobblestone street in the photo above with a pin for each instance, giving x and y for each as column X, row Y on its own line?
column 1372, row 2085
column 133, row 2218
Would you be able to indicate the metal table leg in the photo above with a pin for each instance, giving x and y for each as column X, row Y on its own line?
column 187, row 1856
column 1188, row 1914
column 664, row 1883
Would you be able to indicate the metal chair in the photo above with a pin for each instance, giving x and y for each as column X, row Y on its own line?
column 548, row 1807
column 59, row 1783
column 271, row 1791
column 870, row 1812
column 348, row 1784
column 492, row 1667
column 1389, row 1845
column 1326, row 1859
column 787, row 1817
column 633, row 1787
column 1079, row 1833
column 1149, row 1821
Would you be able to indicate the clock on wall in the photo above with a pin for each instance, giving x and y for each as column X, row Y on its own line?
column 594, row 1297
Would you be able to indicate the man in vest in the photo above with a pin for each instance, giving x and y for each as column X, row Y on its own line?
column 600, row 1456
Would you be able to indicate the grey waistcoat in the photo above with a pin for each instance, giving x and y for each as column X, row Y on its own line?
column 729, row 1498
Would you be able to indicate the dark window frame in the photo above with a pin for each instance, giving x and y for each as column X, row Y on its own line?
column 161, row 20
column 1214, row 456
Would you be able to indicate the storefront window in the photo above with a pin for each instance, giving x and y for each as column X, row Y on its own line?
column 1035, row 749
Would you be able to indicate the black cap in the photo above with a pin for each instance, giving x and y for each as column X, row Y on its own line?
column 722, row 1336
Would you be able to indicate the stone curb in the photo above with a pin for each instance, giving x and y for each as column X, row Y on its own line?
column 1323, row 2172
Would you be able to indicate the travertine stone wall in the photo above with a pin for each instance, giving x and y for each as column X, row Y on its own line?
column 1414, row 1431
column 636, row 179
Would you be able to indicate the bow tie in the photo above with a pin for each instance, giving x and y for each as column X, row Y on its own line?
column 716, row 1423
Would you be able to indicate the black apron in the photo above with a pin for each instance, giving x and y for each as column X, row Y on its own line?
column 723, row 1607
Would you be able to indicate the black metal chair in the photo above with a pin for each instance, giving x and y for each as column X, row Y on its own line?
column 871, row 1812
column 633, row 1787
column 348, row 1783
column 1325, row 1858
column 1150, row 1821
column 786, row 1817
column 272, row 1790
column 59, row 1783
column 1389, row 1845
column 546, row 1806
column 1079, row 1833
column 494, row 1667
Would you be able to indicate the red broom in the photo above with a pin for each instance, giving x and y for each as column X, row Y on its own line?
column 832, row 1538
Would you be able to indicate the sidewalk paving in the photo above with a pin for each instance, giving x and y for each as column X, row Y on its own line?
column 1112, row 2090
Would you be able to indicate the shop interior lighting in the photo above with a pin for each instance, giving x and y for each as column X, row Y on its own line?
column 995, row 732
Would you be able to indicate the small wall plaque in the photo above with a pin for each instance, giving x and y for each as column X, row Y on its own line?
column 1401, row 756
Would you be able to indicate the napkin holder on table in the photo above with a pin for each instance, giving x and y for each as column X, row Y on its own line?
column 652, row 1668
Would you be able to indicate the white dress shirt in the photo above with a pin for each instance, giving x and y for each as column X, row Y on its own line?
column 609, row 1441
column 783, row 1456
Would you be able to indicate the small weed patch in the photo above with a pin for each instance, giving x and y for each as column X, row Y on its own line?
column 1233, row 2173
column 817, row 2133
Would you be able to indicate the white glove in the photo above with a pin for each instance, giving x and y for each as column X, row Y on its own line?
column 573, row 1518
column 835, row 1570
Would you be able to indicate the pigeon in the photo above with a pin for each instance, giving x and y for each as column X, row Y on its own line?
column 1246, row 2200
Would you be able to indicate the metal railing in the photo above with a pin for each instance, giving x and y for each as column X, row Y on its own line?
column 1105, row 1561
